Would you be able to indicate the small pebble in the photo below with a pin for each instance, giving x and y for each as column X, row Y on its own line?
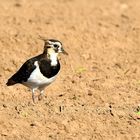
column 4, row 105
column 32, row 124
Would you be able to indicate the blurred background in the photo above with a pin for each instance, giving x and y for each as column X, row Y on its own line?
column 97, row 93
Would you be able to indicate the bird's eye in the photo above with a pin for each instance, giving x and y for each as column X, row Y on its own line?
column 56, row 46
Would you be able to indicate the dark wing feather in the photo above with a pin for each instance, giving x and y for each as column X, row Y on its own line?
column 23, row 73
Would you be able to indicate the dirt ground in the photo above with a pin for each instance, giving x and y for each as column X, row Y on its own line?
column 97, row 93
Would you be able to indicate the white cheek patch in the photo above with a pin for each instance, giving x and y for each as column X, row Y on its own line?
column 53, row 58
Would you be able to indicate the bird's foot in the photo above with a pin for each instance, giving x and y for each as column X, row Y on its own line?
column 34, row 99
column 40, row 97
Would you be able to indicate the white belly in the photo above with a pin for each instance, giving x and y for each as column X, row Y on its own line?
column 37, row 79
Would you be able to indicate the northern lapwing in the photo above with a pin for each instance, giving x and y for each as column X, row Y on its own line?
column 40, row 71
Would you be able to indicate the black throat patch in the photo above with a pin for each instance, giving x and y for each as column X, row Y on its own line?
column 47, row 70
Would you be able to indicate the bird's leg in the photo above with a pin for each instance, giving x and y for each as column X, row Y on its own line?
column 33, row 95
column 41, row 94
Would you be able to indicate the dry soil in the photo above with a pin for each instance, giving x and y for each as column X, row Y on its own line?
column 97, row 93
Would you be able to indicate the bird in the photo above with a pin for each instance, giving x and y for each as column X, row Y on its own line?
column 40, row 71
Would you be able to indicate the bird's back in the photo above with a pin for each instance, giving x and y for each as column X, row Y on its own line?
column 23, row 73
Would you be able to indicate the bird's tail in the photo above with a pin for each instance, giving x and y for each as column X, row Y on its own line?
column 10, row 82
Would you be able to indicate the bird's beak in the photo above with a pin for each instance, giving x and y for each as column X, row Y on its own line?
column 63, row 51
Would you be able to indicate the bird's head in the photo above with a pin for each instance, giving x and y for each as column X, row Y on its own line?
column 53, row 46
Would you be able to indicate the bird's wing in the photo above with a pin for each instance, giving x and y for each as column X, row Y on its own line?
column 23, row 73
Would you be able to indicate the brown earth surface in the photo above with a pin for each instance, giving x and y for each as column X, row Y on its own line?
column 97, row 93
